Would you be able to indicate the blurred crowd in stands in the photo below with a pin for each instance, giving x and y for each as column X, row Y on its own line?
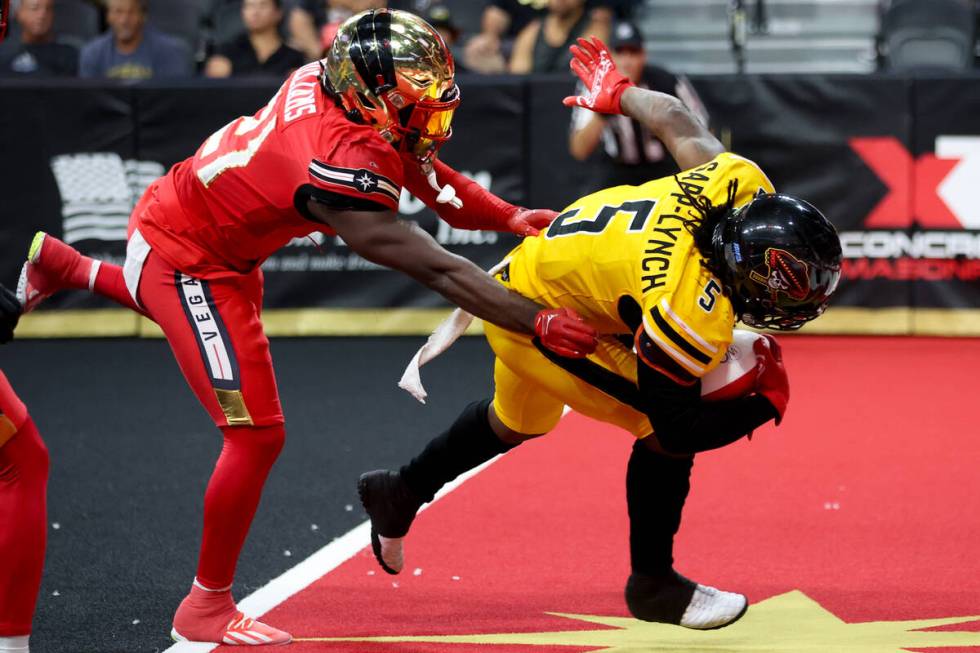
column 144, row 39
column 167, row 39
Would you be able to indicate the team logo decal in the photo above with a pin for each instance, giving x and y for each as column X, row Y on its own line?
column 366, row 180
column 781, row 624
column 732, row 353
column 784, row 273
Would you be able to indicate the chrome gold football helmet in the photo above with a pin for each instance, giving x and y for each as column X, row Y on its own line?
column 391, row 70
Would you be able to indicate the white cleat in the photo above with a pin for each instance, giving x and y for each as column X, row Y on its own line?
column 712, row 608
column 673, row 599
column 391, row 552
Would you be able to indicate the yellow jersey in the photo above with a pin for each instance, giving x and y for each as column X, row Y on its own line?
column 623, row 256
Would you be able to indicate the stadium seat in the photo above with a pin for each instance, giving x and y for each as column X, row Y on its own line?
column 928, row 35
column 75, row 21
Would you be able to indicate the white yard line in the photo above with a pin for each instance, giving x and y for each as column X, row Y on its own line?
column 308, row 571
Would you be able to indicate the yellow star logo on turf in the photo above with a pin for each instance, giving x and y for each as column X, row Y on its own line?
column 788, row 623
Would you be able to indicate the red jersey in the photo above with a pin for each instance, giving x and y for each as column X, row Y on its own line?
column 239, row 198
column 13, row 413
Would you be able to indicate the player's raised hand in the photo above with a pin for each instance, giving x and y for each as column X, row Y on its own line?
column 530, row 222
column 564, row 332
column 604, row 84
column 10, row 310
column 773, row 382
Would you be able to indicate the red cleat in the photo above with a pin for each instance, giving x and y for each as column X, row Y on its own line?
column 52, row 266
column 209, row 616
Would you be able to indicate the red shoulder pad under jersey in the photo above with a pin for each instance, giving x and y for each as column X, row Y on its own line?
column 360, row 164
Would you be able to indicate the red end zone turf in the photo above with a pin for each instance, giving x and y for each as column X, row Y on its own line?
column 850, row 527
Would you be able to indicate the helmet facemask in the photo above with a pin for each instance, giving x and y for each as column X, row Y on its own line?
column 782, row 262
column 424, row 126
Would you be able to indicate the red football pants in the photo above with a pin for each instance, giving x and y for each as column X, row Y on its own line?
column 23, row 527
column 216, row 334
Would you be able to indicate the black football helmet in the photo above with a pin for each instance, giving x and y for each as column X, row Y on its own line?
column 780, row 258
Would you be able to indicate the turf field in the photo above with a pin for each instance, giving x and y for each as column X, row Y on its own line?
column 852, row 527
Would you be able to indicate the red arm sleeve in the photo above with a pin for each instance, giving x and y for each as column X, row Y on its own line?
column 481, row 208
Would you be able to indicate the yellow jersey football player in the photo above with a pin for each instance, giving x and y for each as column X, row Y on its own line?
column 671, row 265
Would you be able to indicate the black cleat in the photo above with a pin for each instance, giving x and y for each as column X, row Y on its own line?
column 392, row 507
column 676, row 600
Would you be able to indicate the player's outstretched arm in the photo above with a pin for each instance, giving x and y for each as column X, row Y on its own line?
column 477, row 207
column 609, row 91
column 683, row 134
column 381, row 238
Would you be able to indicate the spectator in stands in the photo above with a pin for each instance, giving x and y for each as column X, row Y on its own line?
column 630, row 153
column 222, row 21
column 542, row 46
column 130, row 49
column 504, row 19
column 542, row 43
column 313, row 23
column 36, row 53
column 440, row 17
column 259, row 52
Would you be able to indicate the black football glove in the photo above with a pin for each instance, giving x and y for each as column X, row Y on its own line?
column 10, row 310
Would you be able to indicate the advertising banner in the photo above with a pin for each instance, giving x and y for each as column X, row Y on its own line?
column 893, row 162
column 68, row 166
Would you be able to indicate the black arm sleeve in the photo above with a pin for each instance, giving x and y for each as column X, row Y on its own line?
column 683, row 424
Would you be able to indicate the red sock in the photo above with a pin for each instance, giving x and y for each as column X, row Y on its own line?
column 233, row 496
column 204, row 614
column 109, row 282
column 23, row 492
column 62, row 266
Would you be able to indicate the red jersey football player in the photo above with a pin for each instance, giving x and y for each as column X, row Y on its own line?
column 330, row 152
column 23, row 487
column 23, row 490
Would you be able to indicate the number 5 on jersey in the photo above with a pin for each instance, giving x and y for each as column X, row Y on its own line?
column 711, row 292
column 563, row 225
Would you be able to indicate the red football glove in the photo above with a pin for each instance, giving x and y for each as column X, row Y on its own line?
column 530, row 222
column 773, row 383
column 564, row 332
column 604, row 84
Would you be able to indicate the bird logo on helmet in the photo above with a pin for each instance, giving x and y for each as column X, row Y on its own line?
column 390, row 69
column 784, row 273
column 780, row 259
